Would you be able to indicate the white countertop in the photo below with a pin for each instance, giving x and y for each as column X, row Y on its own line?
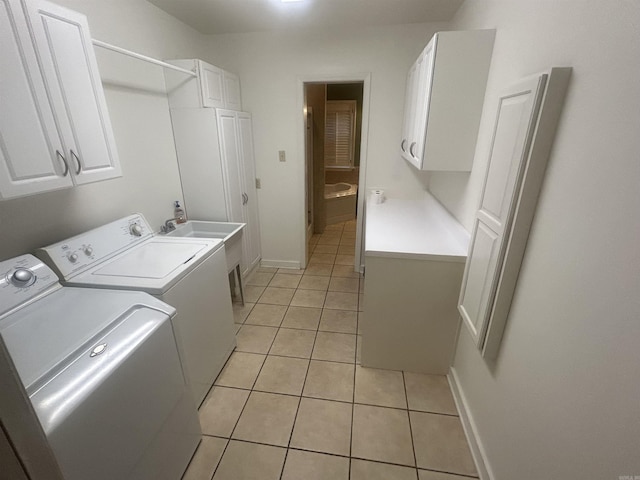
column 419, row 228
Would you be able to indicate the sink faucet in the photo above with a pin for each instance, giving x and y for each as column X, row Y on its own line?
column 169, row 225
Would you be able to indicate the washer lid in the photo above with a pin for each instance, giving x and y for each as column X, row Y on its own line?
column 154, row 260
column 154, row 266
column 41, row 336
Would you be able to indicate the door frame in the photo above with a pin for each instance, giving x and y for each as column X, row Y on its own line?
column 308, row 159
column 356, row 77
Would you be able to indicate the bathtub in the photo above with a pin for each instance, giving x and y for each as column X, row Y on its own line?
column 340, row 202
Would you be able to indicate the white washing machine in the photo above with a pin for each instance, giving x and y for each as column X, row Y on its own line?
column 92, row 383
column 188, row 273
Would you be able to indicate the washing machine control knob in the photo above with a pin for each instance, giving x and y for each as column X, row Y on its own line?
column 73, row 257
column 22, row 277
column 136, row 230
column 88, row 251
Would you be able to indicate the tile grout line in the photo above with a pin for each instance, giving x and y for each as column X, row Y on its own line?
column 300, row 449
column 331, row 399
column 295, row 418
column 224, row 450
column 413, row 445
column 353, row 402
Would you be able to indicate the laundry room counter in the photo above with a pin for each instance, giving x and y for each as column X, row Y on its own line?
column 415, row 252
column 418, row 228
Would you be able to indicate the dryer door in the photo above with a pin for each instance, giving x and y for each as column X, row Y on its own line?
column 104, row 411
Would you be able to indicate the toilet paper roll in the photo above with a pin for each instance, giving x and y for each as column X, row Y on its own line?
column 377, row 197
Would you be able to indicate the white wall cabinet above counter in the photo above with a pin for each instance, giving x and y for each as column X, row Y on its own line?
column 213, row 87
column 54, row 130
column 443, row 100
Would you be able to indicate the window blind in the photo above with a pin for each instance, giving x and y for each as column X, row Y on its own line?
column 339, row 133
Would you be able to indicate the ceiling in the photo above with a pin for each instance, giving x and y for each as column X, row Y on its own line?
column 241, row 16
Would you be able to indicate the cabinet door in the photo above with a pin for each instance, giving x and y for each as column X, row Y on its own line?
column 212, row 85
column 231, row 164
column 69, row 62
column 409, row 113
column 424, row 75
column 527, row 116
column 417, row 106
column 513, row 130
column 232, row 91
column 31, row 153
column 251, row 195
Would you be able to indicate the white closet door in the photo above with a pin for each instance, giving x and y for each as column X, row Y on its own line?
column 522, row 137
column 254, row 250
column 69, row 61
column 31, row 153
column 231, row 158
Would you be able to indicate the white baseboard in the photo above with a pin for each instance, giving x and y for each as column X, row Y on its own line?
column 470, row 429
column 280, row 264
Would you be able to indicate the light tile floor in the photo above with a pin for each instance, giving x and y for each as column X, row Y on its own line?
column 293, row 401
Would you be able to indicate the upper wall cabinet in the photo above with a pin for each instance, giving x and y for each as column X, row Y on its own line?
column 54, row 130
column 443, row 100
column 213, row 87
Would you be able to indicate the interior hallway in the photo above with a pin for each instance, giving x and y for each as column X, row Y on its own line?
column 293, row 401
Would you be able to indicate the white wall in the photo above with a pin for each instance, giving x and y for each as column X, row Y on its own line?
column 270, row 66
column 140, row 116
column 562, row 400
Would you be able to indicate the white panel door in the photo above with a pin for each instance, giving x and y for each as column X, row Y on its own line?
column 32, row 156
column 231, row 160
column 528, row 114
column 514, row 127
column 252, row 230
column 211, row 85
column 69, row 61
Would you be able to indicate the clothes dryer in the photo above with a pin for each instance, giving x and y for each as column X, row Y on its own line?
column 92, row 383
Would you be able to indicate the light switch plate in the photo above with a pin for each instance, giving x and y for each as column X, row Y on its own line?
column 281, row 156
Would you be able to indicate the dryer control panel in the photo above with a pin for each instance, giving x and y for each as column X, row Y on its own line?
column 21, row 279
column 76, row 254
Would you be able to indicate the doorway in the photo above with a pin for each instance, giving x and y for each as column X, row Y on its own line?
column 335, row 139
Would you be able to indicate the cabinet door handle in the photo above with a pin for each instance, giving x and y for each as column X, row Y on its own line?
column 73, row 154
column 245, row 198
column 64, row 162
column 411, row 149
column 404, row 140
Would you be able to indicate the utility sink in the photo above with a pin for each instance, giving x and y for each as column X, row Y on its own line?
column 230, row 233
column 203, row 229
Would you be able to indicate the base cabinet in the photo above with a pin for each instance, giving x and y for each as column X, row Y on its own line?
column 414, row 260
column 55, row 128
column 410, row 314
